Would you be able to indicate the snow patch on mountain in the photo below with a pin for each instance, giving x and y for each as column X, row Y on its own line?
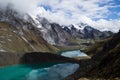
column 28, row 43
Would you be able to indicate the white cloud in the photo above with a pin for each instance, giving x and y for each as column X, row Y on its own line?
column 21, row 5
column 106, row 25
column 67, row 12
column 89, row 8
column 74, row 11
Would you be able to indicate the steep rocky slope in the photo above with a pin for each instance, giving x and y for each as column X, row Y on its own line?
column 19, row 33
column 105, row 62
column 81, row 34
column 32, row 31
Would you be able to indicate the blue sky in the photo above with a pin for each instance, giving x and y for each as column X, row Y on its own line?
column 114, row 12
column 100, row 14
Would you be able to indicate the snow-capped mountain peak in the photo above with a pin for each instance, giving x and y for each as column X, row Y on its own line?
column 80, row 26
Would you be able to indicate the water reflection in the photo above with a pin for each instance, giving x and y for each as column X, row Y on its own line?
column 56, row 72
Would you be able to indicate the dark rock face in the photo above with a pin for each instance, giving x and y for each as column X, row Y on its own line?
column 92, row 33
column 52, row 32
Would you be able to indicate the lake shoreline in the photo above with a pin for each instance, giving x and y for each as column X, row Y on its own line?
column 7, row 58
column 37, row 57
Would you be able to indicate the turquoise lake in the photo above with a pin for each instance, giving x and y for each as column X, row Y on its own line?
column 43, row 71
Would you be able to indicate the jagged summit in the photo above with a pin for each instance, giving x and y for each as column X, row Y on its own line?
column 53, row 33
column 57, row 34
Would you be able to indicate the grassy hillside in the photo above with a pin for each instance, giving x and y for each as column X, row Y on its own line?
column 11, row 40
column 96, row 47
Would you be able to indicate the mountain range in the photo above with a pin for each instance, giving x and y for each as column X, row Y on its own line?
column 57, row 34
column 41, row 35
column 24, row 40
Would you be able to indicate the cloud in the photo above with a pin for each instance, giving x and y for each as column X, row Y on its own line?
column 75, row 11
column 89, row 8
column 106, row 25
column 66, row 12
column 21, row 5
